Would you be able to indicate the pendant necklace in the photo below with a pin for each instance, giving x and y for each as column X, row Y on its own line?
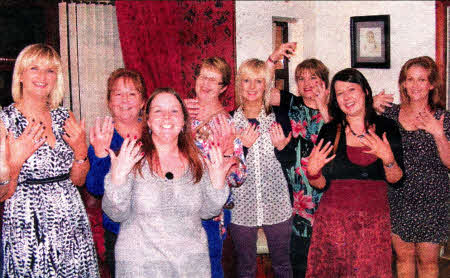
column 356, row 135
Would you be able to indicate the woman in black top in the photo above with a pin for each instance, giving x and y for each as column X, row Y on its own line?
column 351, row 236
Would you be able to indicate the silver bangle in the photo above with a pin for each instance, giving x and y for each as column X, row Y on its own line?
column 5, row 182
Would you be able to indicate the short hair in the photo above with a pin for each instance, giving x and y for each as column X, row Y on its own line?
column 129, row 75
column 46, row 54
column 353, row 76
column 314, row 66
column 434, row 96
column 256, row 67
column 220, row 65
column 186, row 144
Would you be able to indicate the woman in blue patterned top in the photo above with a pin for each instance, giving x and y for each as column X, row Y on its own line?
column 126, row 96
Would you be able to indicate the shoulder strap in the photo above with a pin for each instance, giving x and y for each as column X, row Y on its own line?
column 336, row 140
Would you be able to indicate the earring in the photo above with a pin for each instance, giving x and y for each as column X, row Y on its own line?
column 140, row 115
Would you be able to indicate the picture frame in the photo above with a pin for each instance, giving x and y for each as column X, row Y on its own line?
column 370, row 41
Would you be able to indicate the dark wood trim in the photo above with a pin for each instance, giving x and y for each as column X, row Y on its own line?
column 441, row 43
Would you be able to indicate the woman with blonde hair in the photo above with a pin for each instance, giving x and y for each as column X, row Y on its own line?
column 419, row 208
column 45, row 227
column 263, row 200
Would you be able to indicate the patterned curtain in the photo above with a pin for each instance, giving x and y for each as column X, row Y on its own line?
column 166, row 40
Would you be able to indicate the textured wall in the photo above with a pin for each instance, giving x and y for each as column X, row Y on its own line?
column 325, row 32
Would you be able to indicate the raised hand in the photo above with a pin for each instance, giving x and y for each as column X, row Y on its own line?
column 381, row 101
column 5, row 170
column 321, row 93
column 277, row 137
column 284, row 50
column 319, row 157
column 100, row 136
column 192, row 106
column 218, row 166
column 121, row 164
column 224, row 133
column 249, row 135
column 26, row 144
column 379, row 147
column 75, row 136
column 426, row 121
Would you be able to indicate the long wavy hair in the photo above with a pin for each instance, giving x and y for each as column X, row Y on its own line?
column 186, row 144
column 352, row 76
column 434, row 96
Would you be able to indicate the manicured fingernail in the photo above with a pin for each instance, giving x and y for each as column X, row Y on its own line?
column 43, row 127
column 106, row 149
column 40, row 123
column 32, row 120
column 128, row 135
column 135, row 137
column 142, row 153
column 140, row 143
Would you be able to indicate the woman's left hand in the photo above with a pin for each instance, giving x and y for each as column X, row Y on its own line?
column 426, row 121
column 277, row 137
column 321, row 93
column 75, row 136
column 218, row 166
column 378, row 147
column 284, row 50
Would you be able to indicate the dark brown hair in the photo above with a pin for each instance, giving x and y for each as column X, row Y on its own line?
column 128, row 75
column 186, row 143
column 434, row 96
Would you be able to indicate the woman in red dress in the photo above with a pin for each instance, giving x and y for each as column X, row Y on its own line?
column 359, row 154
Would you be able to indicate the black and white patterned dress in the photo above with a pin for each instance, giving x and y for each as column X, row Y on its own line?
column 46, row 231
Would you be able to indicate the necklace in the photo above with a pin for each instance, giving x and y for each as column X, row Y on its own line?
column 360, row 136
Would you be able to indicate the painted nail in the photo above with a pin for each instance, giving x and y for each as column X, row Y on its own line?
column 135, row 137
column 128, row 135
column 142, row 153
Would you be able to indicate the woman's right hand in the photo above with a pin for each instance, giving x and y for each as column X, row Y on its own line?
column 192, row 107
column 318, row 158
column 26, row 144
column 100, row 136
column 249, row 135
column 121, row 164
column 381, row 101
column 284, row 50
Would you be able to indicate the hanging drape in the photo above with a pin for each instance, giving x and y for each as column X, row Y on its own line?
column 166, row 40
column 90, row 50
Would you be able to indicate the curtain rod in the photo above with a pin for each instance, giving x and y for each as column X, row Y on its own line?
column 100, row 2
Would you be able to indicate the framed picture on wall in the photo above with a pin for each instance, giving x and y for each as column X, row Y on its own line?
column 370, row 41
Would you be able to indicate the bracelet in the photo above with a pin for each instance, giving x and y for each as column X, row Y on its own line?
column 389, row 165
column 310, row 177
column 80, row 161
column 272, row 61
column 5, row 182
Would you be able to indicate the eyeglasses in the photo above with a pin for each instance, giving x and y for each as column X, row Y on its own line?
column 210, row 80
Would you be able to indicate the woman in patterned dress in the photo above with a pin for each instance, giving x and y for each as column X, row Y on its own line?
column 46, row 231
column 419, row 208
column 263, row 200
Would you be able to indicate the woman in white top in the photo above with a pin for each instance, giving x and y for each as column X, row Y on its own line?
column 263, row 200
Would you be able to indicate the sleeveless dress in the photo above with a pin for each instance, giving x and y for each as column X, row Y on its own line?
column 419, row 208
column 46, row 231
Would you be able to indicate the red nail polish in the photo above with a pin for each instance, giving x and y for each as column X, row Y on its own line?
column 106, row 149
column 135, row 137
column 142, row 153
column 128, row 135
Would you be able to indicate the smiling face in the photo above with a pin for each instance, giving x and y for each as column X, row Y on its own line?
column 253, row 87
column 165, row 119
column 38, row 79
column 417, row 84
column 306, row 82
column 125, row 101
column 350, row 98
column 208, row 85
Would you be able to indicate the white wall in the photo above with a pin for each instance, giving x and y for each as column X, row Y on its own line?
column 326, row 32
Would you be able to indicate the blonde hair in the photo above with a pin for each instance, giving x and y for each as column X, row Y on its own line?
column 51, row 58
column 254, row 67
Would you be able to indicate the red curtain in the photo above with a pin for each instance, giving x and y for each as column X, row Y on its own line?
column 166, row 40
